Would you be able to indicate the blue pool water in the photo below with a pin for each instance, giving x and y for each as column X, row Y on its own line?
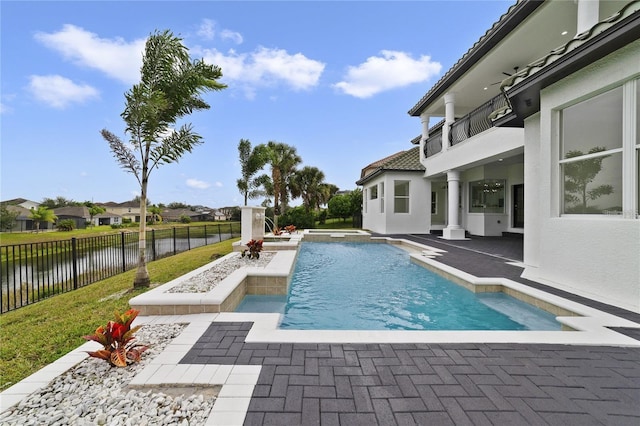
column 369, row 286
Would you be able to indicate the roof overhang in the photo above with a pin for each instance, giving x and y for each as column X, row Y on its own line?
column 524, row 96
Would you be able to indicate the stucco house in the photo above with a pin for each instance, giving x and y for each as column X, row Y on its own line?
column 537, row 133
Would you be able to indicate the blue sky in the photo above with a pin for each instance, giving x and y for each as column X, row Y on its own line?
column 334, row 79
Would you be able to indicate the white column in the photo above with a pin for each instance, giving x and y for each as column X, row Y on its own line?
column 424, row 119
column 588, row 15
column 449, row 111
column 453, row 231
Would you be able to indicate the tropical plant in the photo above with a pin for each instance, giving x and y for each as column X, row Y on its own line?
column 155, row 213
column 94, row 211
column 170, row 89
column 251, row 162
column 283, row 160
column 42, row 214
column 254, row 247
column 308, row 183
column 66, row 225
column 578, row 175
column 340, row 206
column 7, row 218
column 118, row 348
column 290, row 229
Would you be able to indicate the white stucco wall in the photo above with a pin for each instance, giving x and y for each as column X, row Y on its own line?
column 417, row 221
column 596, row 256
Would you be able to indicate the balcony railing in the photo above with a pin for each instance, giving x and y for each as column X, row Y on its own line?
column 476, row 122
column 433, row 145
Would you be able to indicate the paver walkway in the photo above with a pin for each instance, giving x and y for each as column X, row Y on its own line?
column 434, row 384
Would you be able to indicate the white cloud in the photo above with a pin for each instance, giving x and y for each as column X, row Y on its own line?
column 116, row 57
column 391, row 70
column 4, row 109
column 218, row 184
column 59, row 92
column 231, row 35
column 198, row 184
column 266, row 67
column 207, row 29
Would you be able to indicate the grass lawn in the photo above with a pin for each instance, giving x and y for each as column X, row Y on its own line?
column 36, row 335
column 9, row 238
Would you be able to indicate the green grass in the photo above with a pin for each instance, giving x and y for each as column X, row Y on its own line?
column 9, row 238
column 336, row 224
column 38, row 334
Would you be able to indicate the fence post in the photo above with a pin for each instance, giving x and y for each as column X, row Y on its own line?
column 174, row 241
column 188, row 238
column 153, row 244
column 74, row 258
column 124, row 252
column 219, row 234
column 231, row 230
column 205, row 235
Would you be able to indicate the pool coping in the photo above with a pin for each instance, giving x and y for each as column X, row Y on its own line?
column 582, row 325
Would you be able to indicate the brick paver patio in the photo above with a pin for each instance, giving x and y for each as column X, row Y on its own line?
column 433, row 384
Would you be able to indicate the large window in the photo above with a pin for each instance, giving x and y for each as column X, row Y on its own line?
column 373, row 192
column 486, row 196
column 591, row 155
column 401, row 196
column 382, row 197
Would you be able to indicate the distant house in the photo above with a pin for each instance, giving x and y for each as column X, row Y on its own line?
column 538, row 133
column 107, row 219
column 79, row 214
column 127, row 210
column 21, row 202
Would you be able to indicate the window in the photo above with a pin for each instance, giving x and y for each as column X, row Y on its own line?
column 434, row 202
column 373, row 192
column 486, row 196
column 401, row 196
column 591, row 155
column 382, row 197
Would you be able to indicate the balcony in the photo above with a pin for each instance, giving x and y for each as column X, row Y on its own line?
column 474, row 123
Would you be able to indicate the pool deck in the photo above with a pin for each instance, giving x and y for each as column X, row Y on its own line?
column 439, row 384
column 318, row 383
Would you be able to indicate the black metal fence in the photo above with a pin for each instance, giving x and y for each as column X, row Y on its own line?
column 35, row 271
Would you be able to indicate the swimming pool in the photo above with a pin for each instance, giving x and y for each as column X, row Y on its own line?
column 373, row 286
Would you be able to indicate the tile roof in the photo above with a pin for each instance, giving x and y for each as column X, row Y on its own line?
column 408, row 160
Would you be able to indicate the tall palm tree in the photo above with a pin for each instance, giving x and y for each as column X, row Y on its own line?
column 170, row 88
column 42, row 214
column 308, row 184
column 251, row 162
column 283, row 160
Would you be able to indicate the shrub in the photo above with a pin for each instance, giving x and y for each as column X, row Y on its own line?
column 255, row 247
column 322, row 217
column 298, row 217
column 117, row 340
column 117, row 225
column 66, row 225
column 185, row 219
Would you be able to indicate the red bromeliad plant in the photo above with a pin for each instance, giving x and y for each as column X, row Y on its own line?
column 117, row 340
column 290, row 229
column 255, row 247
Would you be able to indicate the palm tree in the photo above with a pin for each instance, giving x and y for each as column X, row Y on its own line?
column 283, row 160
column 169, row 89
column 308, row 184
column 251, row 162
column 42, row 214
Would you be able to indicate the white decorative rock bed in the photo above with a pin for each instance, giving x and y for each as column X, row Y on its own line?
column 220, row 285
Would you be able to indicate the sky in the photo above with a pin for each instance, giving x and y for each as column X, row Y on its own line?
column 334, row 79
